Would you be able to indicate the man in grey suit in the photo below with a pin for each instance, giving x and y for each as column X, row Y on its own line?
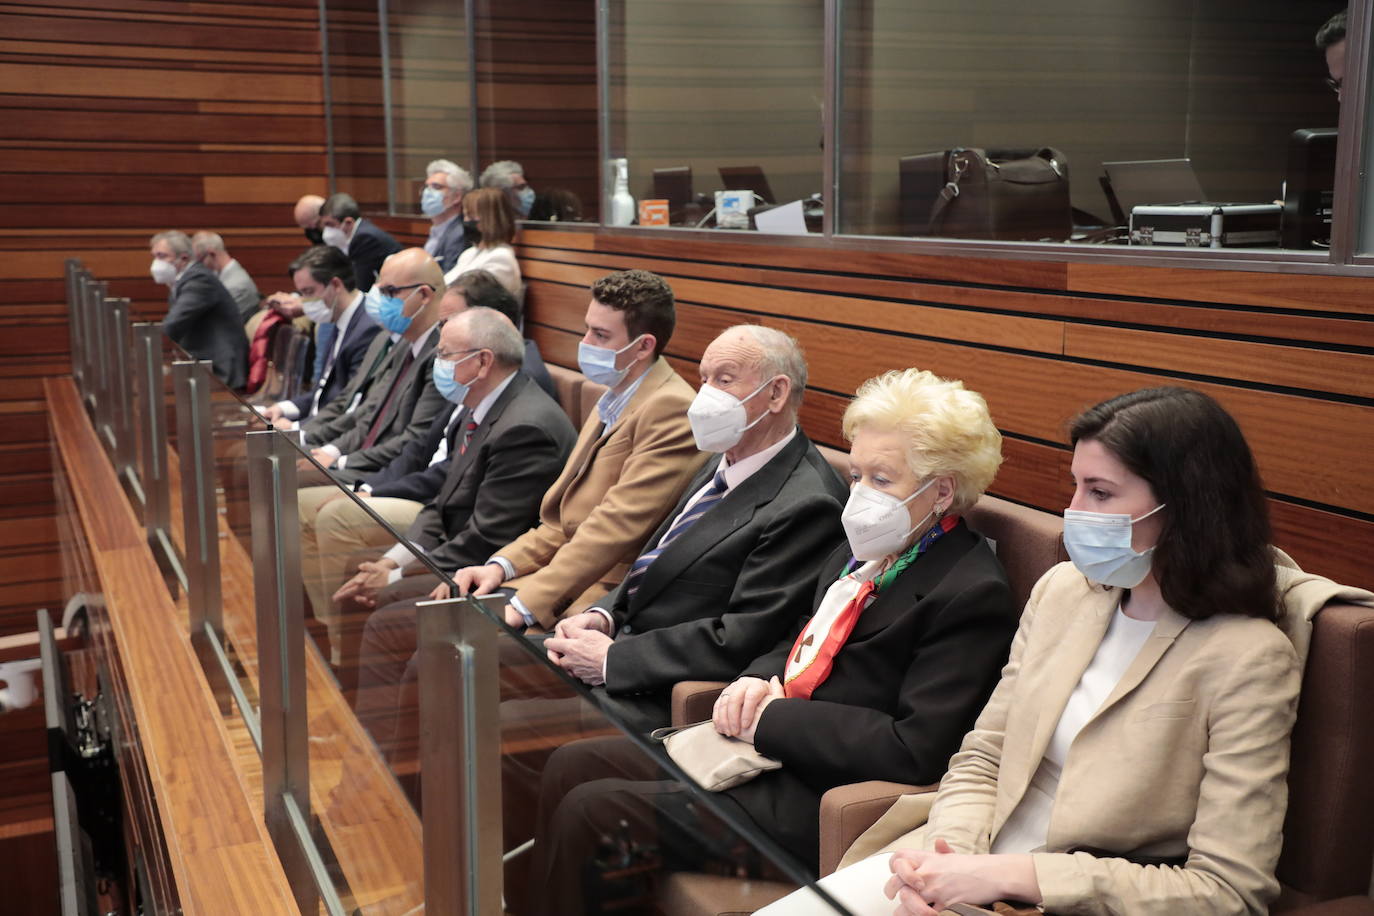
column 202, row 318
column 508, row 442
column 208, row 248
column 734, row 566
column 402, row 402
column 442, row 201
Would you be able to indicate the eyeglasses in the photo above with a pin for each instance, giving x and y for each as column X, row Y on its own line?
column 452, row 355
column 1333, row 85
column 390, row 291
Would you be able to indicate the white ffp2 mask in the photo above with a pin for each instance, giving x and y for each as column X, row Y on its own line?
column 718, row 418
column 877, row 524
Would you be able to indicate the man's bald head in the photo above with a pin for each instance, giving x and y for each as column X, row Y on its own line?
column 417, row 279
column 308, row 211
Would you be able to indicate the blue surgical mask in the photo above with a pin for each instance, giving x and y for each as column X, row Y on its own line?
column 372, row 304
column 431, row 202
column 453, row 390
column 598, row 363
column 1099, row 543
column 390, row 311
column 524, row 199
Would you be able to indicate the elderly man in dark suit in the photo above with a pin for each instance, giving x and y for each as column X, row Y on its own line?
column 442, row 201
column 323, row 276
column 734, row 565
column 202, row 317
column 402, row 402
column 367, row 246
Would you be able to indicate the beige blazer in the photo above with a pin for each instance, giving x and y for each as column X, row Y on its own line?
column 613, row 493
column 1188, row 756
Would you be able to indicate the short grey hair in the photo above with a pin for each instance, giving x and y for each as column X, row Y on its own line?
column 204, row 242
column 178, row 241
column 488, row 329
column 458, row 178
column 782, row 355
column 498, row 174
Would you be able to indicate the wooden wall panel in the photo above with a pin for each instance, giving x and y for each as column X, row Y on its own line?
column 1288, row 354
column 122, row 118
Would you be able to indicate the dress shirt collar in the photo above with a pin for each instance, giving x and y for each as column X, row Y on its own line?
column 612, row 405
column 742, row 470
column 479, row 413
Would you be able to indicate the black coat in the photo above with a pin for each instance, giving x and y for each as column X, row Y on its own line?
column 729, row 587
column 368, row 248
column 203, row 319
column 490, row 493
column 905, row 688
column 410, row 475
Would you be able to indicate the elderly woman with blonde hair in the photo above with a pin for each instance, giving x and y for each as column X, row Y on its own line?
column 912, row 620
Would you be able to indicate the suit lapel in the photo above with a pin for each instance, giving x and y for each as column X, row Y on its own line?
column 462, row 461
column 658, row 373
column 918, row 581
column 412, row 372
column 1167, row 628
column 1053, row 684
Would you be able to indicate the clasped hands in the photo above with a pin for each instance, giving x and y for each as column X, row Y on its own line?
column 372, row 577
column 924, row 883
column 740, row 706
column 579, row 645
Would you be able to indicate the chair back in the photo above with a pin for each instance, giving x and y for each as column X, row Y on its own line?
column 568, row 384
column 1029, row 541
column 1328, row 837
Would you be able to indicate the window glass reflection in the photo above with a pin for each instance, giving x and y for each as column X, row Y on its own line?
column 1055, row 121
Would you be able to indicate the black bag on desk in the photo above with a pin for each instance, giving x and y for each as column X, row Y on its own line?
column 1020, row 195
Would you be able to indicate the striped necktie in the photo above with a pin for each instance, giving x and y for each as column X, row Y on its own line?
column 699, row 508
column 467, row 436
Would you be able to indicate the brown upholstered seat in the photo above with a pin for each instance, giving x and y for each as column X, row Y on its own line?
column 568, row 384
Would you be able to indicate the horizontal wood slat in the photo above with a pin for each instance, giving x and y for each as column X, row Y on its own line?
column 1289, row 355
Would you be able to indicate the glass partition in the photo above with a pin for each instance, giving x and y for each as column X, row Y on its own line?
column 400, row 96
column 1193, row 123
column 708, row 97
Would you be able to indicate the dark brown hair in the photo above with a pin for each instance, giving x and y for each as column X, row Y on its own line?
column 646, row 300
column 495, row 216
column 482, row 290
column 1213, row 554
column 325, row 262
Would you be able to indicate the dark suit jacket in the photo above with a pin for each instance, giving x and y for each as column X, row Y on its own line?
column 729, row 587
column 368, row 248
column 910, row 681
column 491, row 493
column 406, row 417
column 361, row 330
column 451, row 244
column 409, row 475
column 203, row 319
column 534, row 367
column 336, row 417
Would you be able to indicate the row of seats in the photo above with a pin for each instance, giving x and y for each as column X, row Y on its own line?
column 1329, row 833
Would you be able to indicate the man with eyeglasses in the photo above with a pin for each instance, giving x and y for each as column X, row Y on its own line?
column 441, row 199
column 1331, row 42
column 402, row 402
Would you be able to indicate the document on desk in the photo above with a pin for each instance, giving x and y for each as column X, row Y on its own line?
column 787, row 219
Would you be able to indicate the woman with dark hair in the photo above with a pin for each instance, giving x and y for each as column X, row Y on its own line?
column 1133, row 758
column 494, row 219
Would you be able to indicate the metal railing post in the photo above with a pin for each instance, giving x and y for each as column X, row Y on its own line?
column 96, row 353
column 157, row 501
column 460, row 757
column 72, row 270
column 198, row 505
column 122, row 409
column 281, row 667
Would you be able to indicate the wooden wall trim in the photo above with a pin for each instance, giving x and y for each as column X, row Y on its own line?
column 1290, row 355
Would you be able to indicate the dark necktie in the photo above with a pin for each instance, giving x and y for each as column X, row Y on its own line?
column 397, row 384
column 699, row 508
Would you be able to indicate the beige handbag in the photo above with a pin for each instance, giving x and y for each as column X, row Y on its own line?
column 714, row 761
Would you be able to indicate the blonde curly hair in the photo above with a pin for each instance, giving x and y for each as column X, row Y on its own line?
column 948, row 428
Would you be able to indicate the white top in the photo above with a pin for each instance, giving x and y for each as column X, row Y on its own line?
column 497, row 260
column 1027, row 829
